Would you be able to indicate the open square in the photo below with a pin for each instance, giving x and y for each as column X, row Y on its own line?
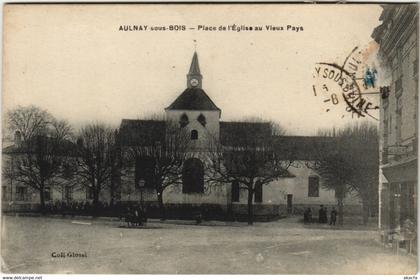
column 181, row 247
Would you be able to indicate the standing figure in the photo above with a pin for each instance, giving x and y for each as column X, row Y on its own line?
column 309, row 215
column 306, row 216
column 333, row 216
column 325, row 216
column 321, row 214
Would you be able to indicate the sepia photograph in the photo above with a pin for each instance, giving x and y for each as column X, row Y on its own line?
column 251, row 139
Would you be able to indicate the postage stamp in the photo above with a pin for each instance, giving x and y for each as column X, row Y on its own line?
column 352, row 84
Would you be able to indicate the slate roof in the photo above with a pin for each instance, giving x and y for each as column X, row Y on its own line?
column 235, row 133
column 193, row 99
column 147, row 132
column 303, row 147
column 194, row 68
column 66, row 147
column 141, row 132
column 291, row 147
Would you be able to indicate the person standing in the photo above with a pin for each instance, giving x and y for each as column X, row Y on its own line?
column 309, row 215
column 325, row 216
column 333, row 216
column 321, row 214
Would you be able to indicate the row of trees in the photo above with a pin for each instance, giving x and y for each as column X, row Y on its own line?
column 48, row 155
column 52, row 153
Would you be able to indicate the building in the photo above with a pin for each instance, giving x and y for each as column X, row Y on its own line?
column 199, row 118
column 398, row 39
column 194, row 111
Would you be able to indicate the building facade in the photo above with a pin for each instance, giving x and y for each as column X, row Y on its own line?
column 197, row 115
column 195, row 112
column 399, row 51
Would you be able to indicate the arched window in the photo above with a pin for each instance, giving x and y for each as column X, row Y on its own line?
column 194, row 134
column 144, row 170
column 183, row 120
column 313, row 186
column 193, row 176
column 258, row 191
column 202, row 120
column 235, row 191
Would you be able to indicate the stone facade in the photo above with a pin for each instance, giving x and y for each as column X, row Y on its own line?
column 399, row 51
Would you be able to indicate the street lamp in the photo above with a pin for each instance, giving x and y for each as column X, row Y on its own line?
column 141, row 185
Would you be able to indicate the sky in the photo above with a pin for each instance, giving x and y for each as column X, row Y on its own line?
column 73, row 61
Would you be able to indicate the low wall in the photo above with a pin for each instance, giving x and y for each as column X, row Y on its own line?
column 234, row 212
column 19, row 207
column 349, row 210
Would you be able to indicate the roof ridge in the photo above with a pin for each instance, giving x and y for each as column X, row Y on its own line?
column 193, row 99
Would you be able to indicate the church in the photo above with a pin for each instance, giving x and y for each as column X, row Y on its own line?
column 195, row 112
column 200, row 120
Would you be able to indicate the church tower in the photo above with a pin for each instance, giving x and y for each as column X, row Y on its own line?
column 193, row 109
column 194, row 77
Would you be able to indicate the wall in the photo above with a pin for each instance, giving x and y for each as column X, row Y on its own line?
column 204, row 132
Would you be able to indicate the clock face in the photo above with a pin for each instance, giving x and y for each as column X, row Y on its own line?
column 194, row 82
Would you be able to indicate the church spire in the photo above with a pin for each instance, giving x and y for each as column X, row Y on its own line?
column 194, row 76
column 194, row 68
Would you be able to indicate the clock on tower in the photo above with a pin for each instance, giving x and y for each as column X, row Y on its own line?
column 194, row 76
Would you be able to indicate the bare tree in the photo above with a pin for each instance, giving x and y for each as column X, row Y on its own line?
column 166, row 154
column 246, row 154
column 351, row 164
column 38, row 159
column 95, row 145
column 360, row 143
column 334, row 171
column 29, row 121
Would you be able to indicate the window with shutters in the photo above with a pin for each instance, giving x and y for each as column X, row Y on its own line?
column 258, row 192
column 193, row 176
column 47, row 193
column 68, row 193
column 21, row 193
column 313, row 186
column 235, row 191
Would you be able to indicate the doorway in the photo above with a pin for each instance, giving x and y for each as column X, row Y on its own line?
column 289, row 203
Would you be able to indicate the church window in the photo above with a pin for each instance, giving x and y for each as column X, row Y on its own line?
column 47, row 193
column 183, row 121
column 202, row 119
column 193, row 176
column 68, row 193
column 21, row 194
column 258, row 191
column 89, row 193
column 144, row 170
column 194, row 134
column 313, row 186
column 235, row 191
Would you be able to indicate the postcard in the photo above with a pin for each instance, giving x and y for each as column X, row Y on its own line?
column 210, row 139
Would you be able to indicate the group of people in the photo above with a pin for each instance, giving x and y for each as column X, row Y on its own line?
column 81, row 208
column 322, row 215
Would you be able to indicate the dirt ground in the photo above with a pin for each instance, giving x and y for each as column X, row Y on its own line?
column 32, row 244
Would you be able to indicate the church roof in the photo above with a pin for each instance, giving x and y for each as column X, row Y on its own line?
column 303, row 147
column 141, row 132
column 289, row 147
column 193, row 99
column 236, row 133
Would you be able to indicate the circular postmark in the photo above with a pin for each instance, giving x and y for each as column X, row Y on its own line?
column 351, row 86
